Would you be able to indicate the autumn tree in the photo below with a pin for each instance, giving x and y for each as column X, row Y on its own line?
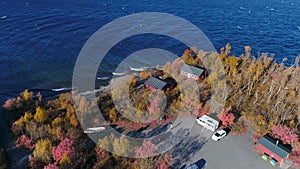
column 40, row 115
column 239, row 127
column 65, row 148
column 122, row 146
column 113, row 114
column 51, row 166
column 155, row 105
column 295, row 155
column 26, row 95
column 24, row 141
column 43, row 150
column 226, row 118
column 12, row 104
column 187, row 57
column 147, row 149
column 166, row 161
column 65, row 161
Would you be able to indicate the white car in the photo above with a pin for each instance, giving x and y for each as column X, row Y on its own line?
column 218, row 135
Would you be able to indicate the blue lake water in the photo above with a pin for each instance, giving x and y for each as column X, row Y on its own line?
column 40, row 40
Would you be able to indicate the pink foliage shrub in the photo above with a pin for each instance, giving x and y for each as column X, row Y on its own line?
column 64, row 147
column 166, row 162
column 285, row 134
column 295, row 156
column 16, row 129
column 32, row 162
column 24, row 141
column 176, row 65
column 11, row 103
column 52, row 166
column 146, row 150
column 154, row 106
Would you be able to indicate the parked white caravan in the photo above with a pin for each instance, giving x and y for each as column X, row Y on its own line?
column 208, row 122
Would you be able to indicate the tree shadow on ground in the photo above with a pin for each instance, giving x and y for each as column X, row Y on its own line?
column 157, row 130
column 186, row 149
column 143, row 133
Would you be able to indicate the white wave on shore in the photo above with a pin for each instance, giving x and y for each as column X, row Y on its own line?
column 103, row 78
column 138, row 69
column 118, row 74
column 62, row 89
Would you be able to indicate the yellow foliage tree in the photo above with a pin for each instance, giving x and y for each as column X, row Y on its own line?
column 122, row 146
column 58, row 121
column 40, row 115
column 73, row 121
column 43, row 150
column 227, row 49
column 233, row 63
column 65, row 160
column 113, row 114
column 212, row 78
column 26, row 95
column 247, row 51
column 70, row 111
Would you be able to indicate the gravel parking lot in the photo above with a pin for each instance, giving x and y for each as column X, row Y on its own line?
column 231, row 152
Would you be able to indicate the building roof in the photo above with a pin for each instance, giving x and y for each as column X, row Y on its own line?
column 270, row 143
column 155, row 83
column 192, row 69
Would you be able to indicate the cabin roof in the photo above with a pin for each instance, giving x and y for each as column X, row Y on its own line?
column 192, row 69
column 270, row 143
column 155, row 83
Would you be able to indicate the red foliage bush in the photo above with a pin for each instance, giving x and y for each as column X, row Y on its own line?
column 285, row 134
column 64, row 147
column 226, row 118
column 166, row 162
column 52, row 166
column 11, row 103
column 16, row 129
column 295, row 156
column 146, row 150
column 24, row 141
column 33, row 163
